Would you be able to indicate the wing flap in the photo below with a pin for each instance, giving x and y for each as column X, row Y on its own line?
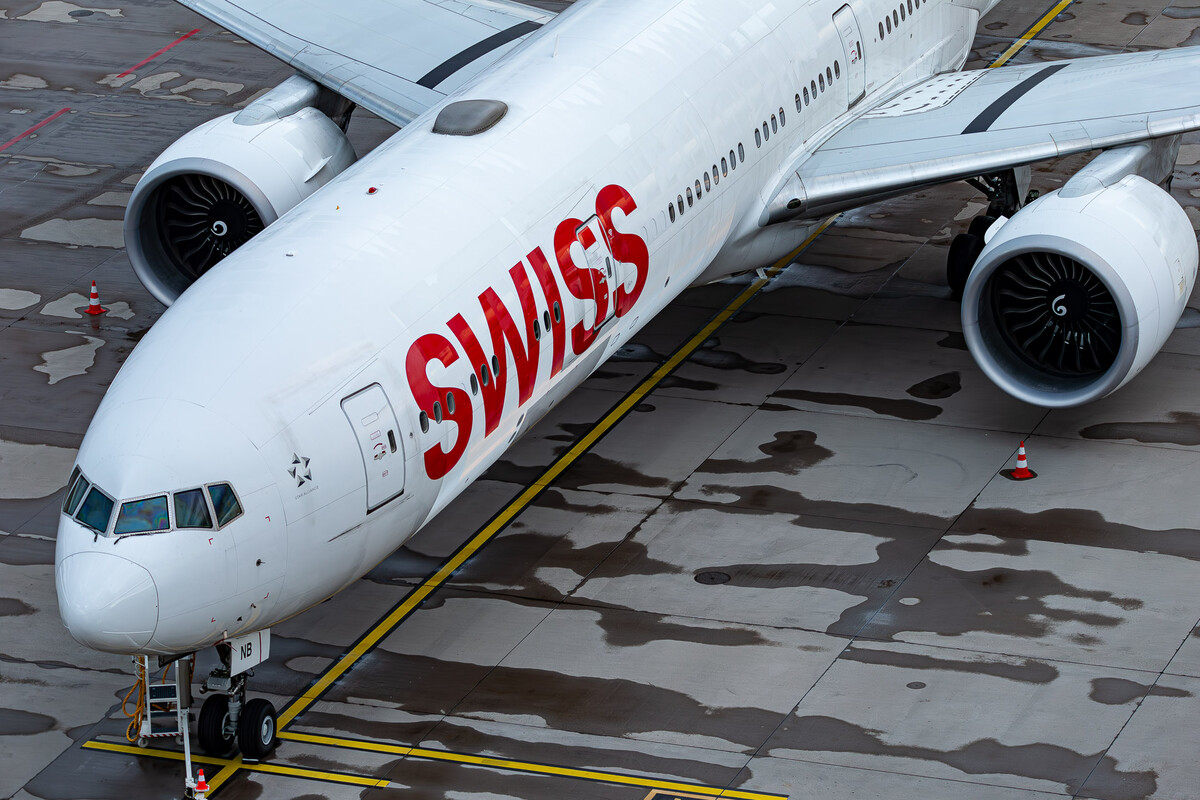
column 396, row 58
column 965, row 124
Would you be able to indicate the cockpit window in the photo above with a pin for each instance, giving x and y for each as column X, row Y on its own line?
column 143, row 516
column 79, row 485
column 191, row 511
column 96, row 510
column 225, row 503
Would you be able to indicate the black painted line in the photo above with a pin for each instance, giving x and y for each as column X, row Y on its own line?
column 990, row 114
column 475, row 51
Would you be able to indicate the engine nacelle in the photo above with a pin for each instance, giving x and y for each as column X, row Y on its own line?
column 1075, row 294
column 223, row 182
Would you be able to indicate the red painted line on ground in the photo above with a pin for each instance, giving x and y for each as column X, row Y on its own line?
column 46, row 121
column 158, row 53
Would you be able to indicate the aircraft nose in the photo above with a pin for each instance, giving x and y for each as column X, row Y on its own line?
column 107, row 602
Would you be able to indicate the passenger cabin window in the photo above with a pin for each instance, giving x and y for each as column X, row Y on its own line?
column 813, row 85
column 699, row 193
column 797, row 101
column 881, row 30
column 821, row 82
column 96, row 510
column 424, row 419
column 716, row 175
column 671, row 210
column 474, row 384
column 557, row 312
column 774, row 124
column 143, row 516
column 725, row 165
column 757, row 138
column 837, row 69
column 707, row 185
column 679, row 202
column 191, row 510
column 888, row 21
column 902, row 15
column 690, row 199
column 829, row 76
column 895, row 18
column 741, row 154
column 225, row 503
column 437, row 411
column 782, row 118
column 805, row 95
column 766, row 132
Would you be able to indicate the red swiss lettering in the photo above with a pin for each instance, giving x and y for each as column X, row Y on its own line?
column 626, row 247
column 579, row 283
column 435, row 347
column 502, row 328
column 558, row 320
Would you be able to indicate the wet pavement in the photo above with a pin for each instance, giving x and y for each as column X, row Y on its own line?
column 794, row 568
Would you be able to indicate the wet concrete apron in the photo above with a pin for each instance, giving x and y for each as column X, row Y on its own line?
column 791, row 569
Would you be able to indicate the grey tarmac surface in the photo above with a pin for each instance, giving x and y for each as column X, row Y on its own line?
column 794, row 569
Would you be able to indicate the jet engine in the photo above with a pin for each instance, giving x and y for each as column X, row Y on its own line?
column 225, row 181
column 1074, row 295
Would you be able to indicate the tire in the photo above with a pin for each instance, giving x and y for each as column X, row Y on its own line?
column 256, row 729
column 211, row 727
column 964, row 252
column 979, row 225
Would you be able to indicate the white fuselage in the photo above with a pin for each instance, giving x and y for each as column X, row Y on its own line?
column 339, row 371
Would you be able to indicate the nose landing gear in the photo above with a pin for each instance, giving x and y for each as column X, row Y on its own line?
column 228, row 721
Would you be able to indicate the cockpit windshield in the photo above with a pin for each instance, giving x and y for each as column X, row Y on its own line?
column 96, row 510
column 143, row 516
column 187, row 509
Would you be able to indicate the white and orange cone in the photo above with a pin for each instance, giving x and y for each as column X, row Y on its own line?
column 201, row 786
column 94, row 302
column 1022, row 472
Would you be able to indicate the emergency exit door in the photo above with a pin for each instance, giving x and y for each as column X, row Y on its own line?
column 856, row 64
column 374, row 423
column 602, row 271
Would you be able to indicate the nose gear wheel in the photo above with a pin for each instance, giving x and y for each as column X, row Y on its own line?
column 1056, row 314
column 202, row 219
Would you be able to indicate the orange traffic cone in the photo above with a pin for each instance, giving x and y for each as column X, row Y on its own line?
column 1022, row 472
column 201, row 785
column 94, row 302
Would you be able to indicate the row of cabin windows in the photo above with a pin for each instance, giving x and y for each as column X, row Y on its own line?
column 897, row 16
column 815, row 87
column 710, row 179
column 486, row 372
column 778, row 121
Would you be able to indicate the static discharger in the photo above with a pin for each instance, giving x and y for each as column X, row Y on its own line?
column 1022, row 471
column 94, row 302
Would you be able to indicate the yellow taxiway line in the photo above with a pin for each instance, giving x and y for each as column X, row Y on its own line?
column 529, row 767
column 1031, row 33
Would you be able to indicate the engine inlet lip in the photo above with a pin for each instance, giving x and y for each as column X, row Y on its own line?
column 144, row 247
column 1011, row 373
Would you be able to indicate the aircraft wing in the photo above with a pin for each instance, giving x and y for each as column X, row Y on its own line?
column 960, row 125
column 395, row 58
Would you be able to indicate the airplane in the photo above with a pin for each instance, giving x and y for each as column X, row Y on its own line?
column 351, row 342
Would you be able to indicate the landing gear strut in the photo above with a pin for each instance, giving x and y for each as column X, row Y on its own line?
column 228, row 720
column 1004, row 191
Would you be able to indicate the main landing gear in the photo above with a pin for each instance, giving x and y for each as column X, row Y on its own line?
column 1004, row 191
column 229, row 722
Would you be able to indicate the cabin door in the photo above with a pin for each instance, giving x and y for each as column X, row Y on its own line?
column 374, row 424
column 602, row 270
column 856, row 65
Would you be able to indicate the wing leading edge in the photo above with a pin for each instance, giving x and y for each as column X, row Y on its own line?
column 964, row 124
column 395, row 58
